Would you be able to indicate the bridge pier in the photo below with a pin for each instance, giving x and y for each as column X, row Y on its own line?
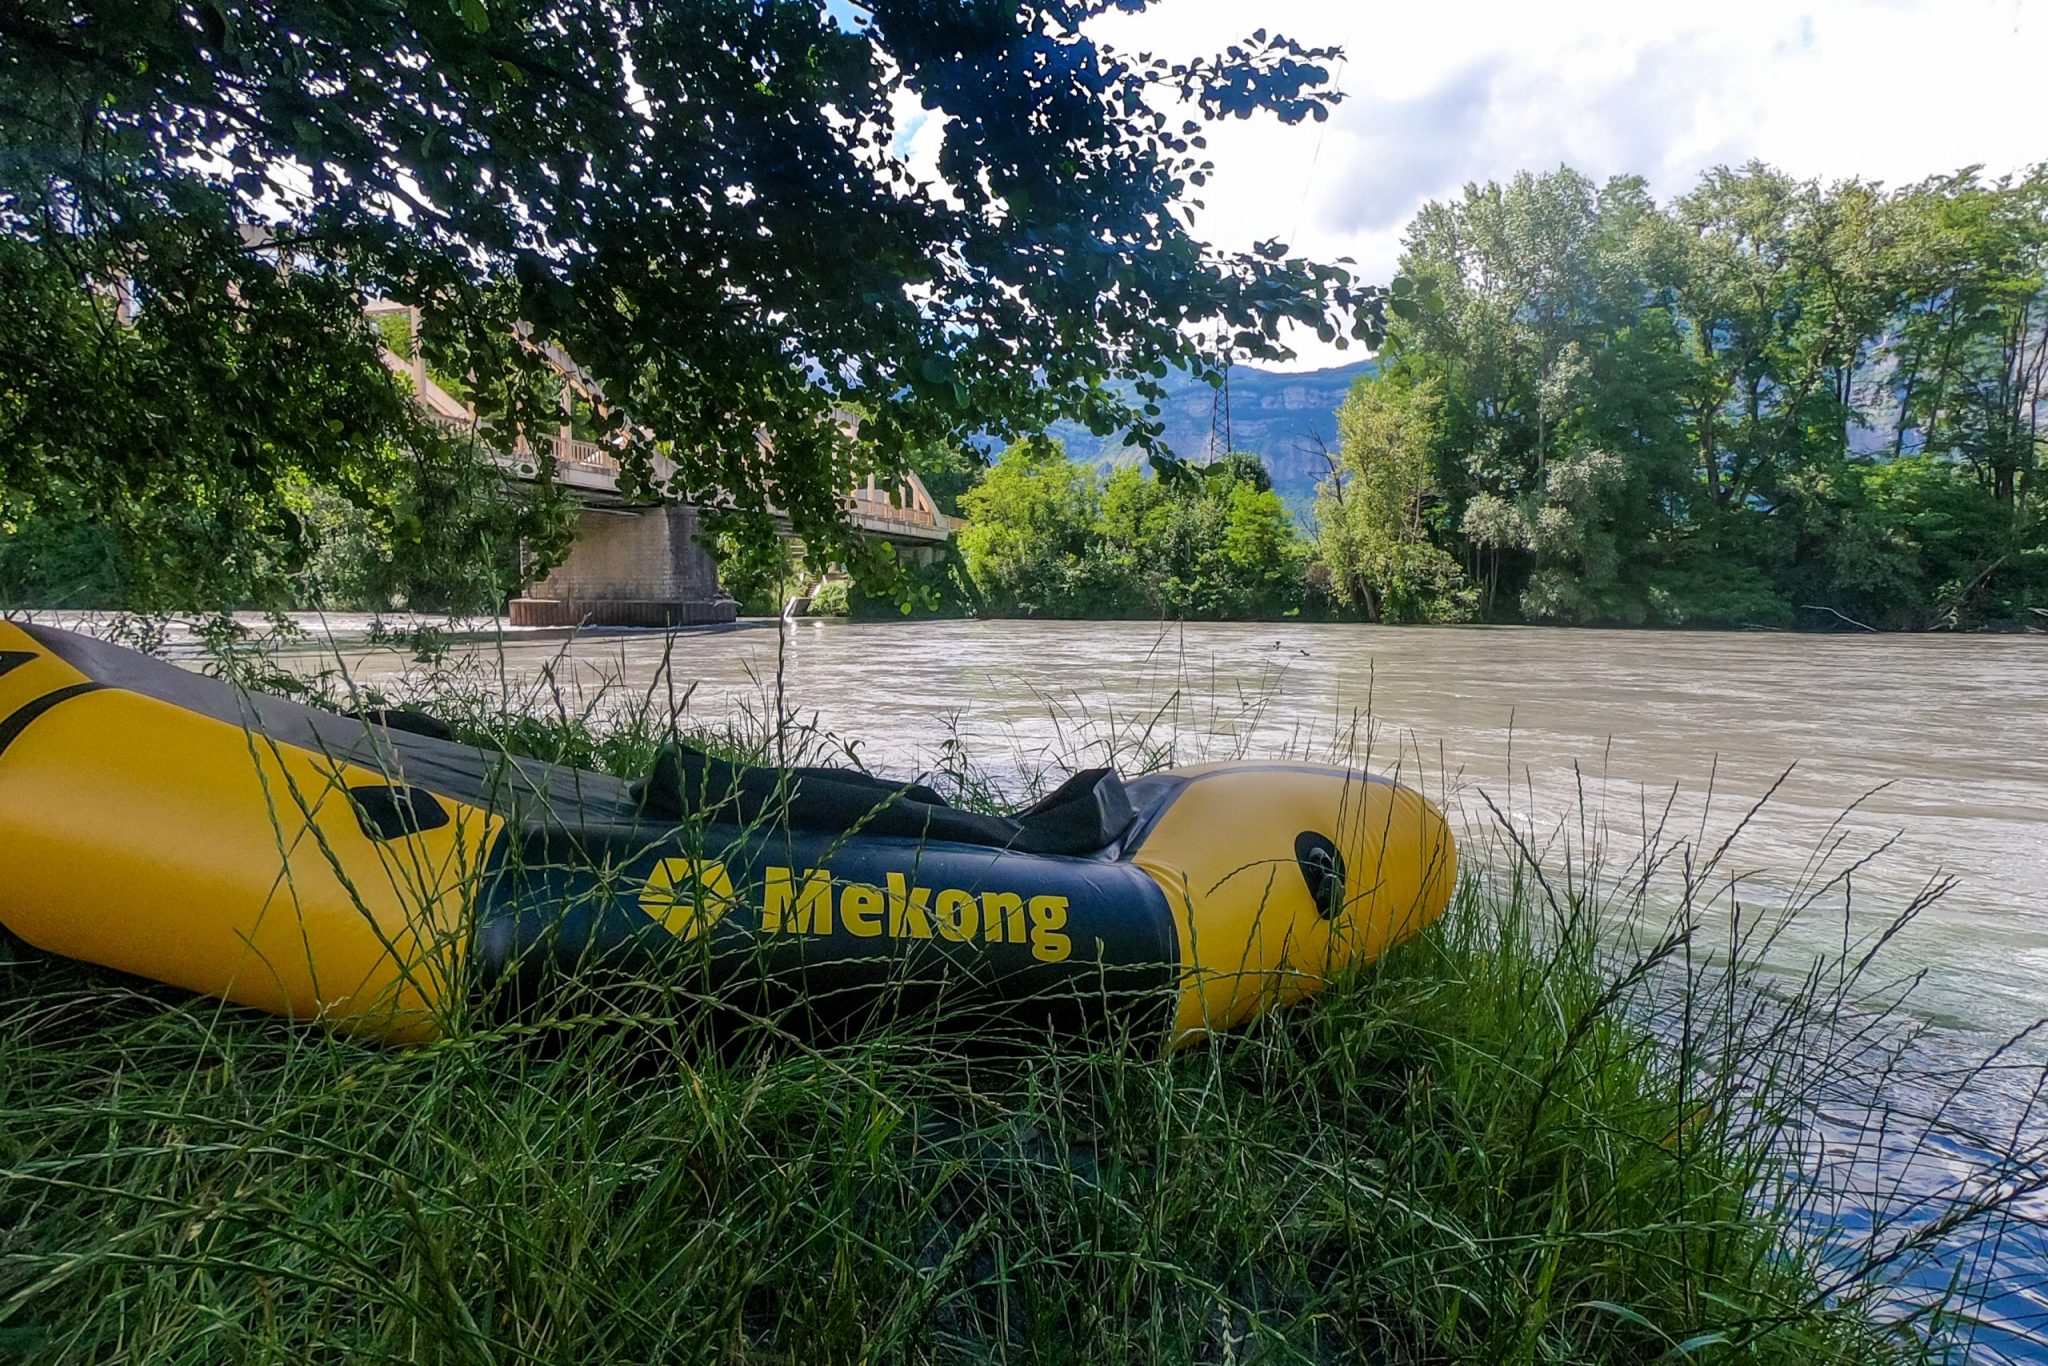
column 638, row 567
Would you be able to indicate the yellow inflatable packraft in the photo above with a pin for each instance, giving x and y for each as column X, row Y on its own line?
column 352, row 870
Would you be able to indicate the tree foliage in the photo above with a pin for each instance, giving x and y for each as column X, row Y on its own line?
column 707, row 204
column 1376, row 513
column 1050, row 537
column 1769, row 401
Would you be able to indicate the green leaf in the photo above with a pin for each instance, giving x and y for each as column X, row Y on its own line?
column 1628, row 1315
column 1176, row 474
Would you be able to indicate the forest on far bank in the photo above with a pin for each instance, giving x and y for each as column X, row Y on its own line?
column 1771, row 402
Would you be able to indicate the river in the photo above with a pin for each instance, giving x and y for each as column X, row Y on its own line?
column 1905, row 760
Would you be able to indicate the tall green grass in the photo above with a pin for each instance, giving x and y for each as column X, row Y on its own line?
column 1563, row 1126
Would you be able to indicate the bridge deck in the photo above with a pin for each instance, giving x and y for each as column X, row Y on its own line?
column 901, row 513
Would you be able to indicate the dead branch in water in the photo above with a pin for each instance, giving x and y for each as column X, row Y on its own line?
column 1816, row 607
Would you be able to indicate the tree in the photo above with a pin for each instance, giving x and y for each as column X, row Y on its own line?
column 1220, row 546
column 705, row 203
column 452, row 536
column 1049, row 537
column 1786, row 296
column 1028, row 545
column 1617, row 412
column 1972, row 345
column 1261, row 549
column 1549, row 347
column 1375, row 528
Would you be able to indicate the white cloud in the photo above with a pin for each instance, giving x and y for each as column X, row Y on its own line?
column 1452, row 91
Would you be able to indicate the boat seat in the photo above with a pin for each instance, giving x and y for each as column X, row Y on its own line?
column 1084, row 815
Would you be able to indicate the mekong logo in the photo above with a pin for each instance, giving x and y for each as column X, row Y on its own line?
column 687, row 897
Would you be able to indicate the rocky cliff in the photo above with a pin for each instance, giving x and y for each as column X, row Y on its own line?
column 1284, row 419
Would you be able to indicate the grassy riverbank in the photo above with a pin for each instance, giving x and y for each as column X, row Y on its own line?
column 1508, row 1142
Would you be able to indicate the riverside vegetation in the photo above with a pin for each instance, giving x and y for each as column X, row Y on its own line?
column 1771, row 402
column 1562, row 1126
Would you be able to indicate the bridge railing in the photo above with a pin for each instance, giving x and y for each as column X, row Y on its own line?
column 880, row 512
column 900, row 509
column 567, row 451
column 575, row 451
column 903, row 506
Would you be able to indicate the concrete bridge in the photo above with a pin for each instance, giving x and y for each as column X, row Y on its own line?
column 634, row 563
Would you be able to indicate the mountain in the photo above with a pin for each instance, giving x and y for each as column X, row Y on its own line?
column 1278, row 417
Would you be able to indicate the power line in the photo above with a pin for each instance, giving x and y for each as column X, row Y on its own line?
column 1322, row 131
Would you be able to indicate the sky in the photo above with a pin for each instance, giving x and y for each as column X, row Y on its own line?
column 1445, row 92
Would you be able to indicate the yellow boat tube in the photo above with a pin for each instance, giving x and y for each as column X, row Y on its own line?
column 350, row 870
